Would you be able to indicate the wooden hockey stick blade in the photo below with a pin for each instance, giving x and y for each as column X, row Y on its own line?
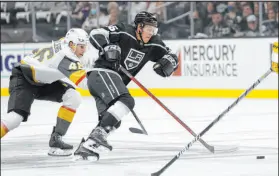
column 138, row 131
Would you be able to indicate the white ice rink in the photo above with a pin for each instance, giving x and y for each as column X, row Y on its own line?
column 252, row 125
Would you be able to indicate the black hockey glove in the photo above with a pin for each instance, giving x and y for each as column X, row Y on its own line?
column 166, row 65
column 113, row 55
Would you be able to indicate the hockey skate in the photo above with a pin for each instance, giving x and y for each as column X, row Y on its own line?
column 84, row 152
column 57, row 146
column 98, row 140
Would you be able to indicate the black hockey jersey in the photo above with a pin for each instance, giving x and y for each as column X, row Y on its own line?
column 134, row 54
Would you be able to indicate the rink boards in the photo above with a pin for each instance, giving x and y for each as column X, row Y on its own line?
column 220, row 68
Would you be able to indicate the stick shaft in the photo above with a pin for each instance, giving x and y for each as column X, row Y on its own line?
column 139, row 122
column 211, row 124
column 209, row 147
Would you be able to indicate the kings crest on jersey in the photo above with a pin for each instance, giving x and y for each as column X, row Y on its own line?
column 134, row 54
column 133, row 59
column 50, row 64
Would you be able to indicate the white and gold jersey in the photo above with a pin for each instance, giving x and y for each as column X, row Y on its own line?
column 50, row 64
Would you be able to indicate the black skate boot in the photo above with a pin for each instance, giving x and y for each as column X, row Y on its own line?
column 57, row 146
column 85, row 153
column 98, row 140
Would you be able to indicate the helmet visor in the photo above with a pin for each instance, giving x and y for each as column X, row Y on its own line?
column 150, row 29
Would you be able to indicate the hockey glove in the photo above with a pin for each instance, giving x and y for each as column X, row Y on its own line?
column 113, row 55
column 166, row 65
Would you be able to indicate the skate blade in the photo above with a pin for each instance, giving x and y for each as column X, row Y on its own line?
column 97, row 149
column 59, row 152
column 85, row 158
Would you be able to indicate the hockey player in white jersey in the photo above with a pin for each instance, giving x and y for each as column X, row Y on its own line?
column 38, row 76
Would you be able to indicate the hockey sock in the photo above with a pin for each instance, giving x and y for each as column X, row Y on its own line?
column 108, row 121
column 4, row 130
column 114, row 115
column 9, row 122
column 64, row 119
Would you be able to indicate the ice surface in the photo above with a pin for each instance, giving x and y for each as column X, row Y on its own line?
column 252, row 125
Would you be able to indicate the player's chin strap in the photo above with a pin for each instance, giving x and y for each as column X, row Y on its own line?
column 140, row 33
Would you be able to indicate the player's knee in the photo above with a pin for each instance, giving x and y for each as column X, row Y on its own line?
column 12, row 120
column 72, row 99
column 127, row 100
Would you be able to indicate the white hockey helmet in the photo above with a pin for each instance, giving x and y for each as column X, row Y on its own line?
column 77, row 36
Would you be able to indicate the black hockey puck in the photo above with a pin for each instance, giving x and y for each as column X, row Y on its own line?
column 260, row 157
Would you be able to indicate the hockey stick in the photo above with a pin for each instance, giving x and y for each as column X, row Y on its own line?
column 136, row 130
column 211, row 125
column 209, row 147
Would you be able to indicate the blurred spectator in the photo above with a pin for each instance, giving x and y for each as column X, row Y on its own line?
column 198, row 23
column 80, row 13
column 217, row 28
column 253, row 28
column 209, row 10
column 216, row 19
column 137, row 7
column 270, row 26
column 232, row 18
column 256, row 9
column 242, row 4
column 116, row 15
column 201, row 7
column 271, row 14
column 113, row 10
column 92, row 20
column 246, row 11
column 268, row 6
column 153, row 8
column 221, row 8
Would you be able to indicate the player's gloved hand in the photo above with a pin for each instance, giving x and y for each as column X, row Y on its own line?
column 166, row 65
column 274, row 64
column 112, row 54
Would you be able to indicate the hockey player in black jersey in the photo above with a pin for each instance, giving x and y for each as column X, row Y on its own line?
column 131, row 47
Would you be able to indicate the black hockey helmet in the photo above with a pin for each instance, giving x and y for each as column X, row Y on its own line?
column 146, row 18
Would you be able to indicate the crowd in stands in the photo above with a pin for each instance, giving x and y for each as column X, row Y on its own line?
column 211, row 19
column 236, row 19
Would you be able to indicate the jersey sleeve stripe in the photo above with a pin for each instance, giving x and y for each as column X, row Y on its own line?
column 78, row 76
